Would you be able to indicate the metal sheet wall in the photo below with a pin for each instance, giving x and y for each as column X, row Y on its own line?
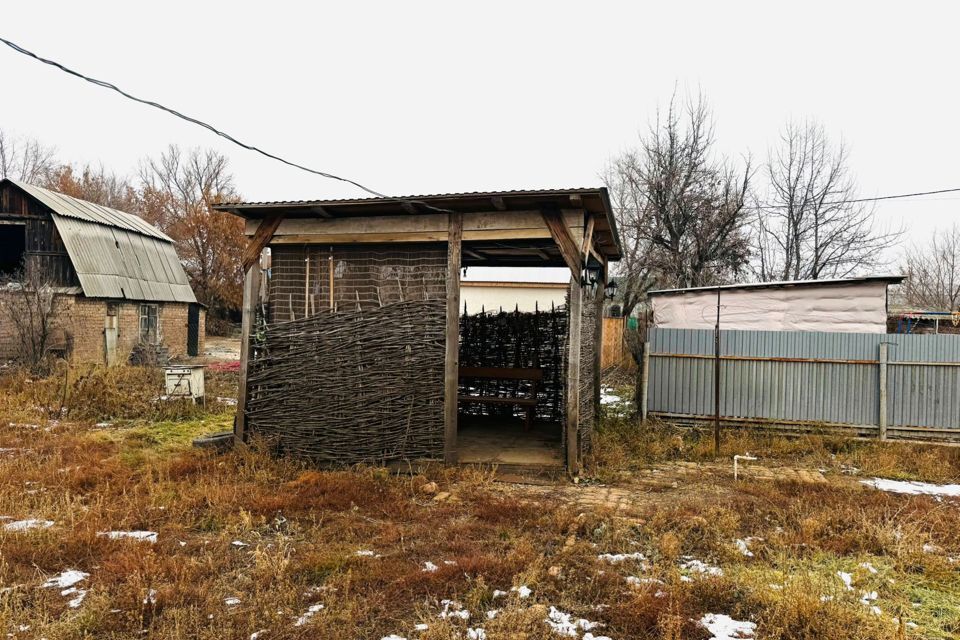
column 809, row 377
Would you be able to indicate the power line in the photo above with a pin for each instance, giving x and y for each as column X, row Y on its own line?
column 209, row 127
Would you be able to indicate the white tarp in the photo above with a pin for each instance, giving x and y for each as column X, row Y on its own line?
column 854, row 308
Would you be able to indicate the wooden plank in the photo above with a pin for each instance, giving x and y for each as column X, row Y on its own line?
column 259, row 241
column 572, row 400
column 451, row 362
column 251, row 291
column 586, row 247
column 562, row 237
column 421, row 223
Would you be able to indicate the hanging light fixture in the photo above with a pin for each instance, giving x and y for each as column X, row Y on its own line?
column 591, row 276
column 610, row 291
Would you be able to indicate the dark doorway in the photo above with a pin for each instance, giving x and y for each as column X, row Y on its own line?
column 193, row 330
column 13, row 242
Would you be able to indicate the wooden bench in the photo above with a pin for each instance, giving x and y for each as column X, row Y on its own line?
column 535, row 376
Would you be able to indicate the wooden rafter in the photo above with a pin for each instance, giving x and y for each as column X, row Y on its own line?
column 564, row 240
column 259, row 241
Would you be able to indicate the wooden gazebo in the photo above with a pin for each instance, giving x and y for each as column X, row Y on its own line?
column 351, row 317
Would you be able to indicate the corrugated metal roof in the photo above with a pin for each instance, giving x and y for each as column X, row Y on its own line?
column 71, row 207
column 115, row 262
column 430, row 196
column 786, row 283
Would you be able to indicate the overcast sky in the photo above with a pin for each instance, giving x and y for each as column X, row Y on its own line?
column 416, row 97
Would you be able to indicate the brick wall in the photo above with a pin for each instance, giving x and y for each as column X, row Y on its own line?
column 81, row 322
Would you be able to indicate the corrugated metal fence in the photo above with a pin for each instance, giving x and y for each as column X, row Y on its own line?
column 800, row 380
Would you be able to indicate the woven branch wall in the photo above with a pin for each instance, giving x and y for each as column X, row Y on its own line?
column 362, row 383
column 516, row 339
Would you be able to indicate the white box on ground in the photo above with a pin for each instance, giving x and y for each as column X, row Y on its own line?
column 184, row 381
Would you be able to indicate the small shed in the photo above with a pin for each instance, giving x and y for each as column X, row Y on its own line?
column 852, row 305
column 118, row 279
column 355, row 350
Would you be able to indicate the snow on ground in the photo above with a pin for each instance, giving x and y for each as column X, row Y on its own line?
column 523, row 591
column 698, row 566
column 617, row 558
column 453, row 609
column 723, row 627
column 847, row 579
column 566, row 625
column 78, row 596
column 309, row 613
column 429, row 567
column 743, row 546
column 25, row 525
column 146, row 536
column 231, row 602
column 914, row 488
column 65, row 579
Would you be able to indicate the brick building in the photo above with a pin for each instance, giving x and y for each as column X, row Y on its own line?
column 117, row 279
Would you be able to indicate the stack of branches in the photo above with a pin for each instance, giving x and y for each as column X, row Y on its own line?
column 515, row 339
column 353, row 386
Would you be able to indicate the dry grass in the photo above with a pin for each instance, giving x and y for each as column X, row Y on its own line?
column 303, row 528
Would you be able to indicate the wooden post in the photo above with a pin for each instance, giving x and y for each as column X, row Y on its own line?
column 251, row 295
column 645, row 382
column 597, row 352
column 451, row 362
column 883, row 390
column 573, row 376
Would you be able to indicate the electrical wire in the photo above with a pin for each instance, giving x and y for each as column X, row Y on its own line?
column 156, row 105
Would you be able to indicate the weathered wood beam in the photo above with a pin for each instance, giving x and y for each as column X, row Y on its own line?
column 587, row 245
column 498, row 203
column 572, row 400
column 251, row 295
column 562, row 237
column 475, row 255
column 451, row 361
column 260, row 240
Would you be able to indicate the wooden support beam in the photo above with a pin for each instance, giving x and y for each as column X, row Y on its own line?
column 251, row 296
column 260, row 240
column 474, row 254
column 572, row 399
column 320, row 212
column 586, row 247
column 565, row 242
column 451, row 362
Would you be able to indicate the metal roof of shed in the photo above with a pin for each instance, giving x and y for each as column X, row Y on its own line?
column 594, row 201
column 115, row 254
column 71, row 207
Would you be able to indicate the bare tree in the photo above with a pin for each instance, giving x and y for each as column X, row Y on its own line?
column 933, row 272
column 681, row 211
column 177, row 191
column 28, row 304
column 810, row 225
column 94, row 184
column 25, row 159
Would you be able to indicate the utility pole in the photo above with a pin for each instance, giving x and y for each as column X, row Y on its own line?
column 716, row 380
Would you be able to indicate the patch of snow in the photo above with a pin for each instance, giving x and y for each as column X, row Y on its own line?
column 151, row 597
column 77, row 600
column 476, row 633
column 523, row 591
column 497, row 593
column 65, row 579
column 875, row 610
column 230, row 402
column 590, row 636
column 146, row 536
column 566, row 625
column 25, row 525
column 635, row 581
column 826, row 598
column 393, row 636
column 869, row 567
column 257, row 634
column 492, row 613
column 429, row 567
column 743, row 546
column 868, row 597
column 698, row 566
column 421, row 627
column 914, row 488
column 723, row 627
column 847, row 579
column 309, row 613
column 931, row 548
column 453, row 609
column 239, row 544
column 617, row 558
column 231, row 602
column 366, row 553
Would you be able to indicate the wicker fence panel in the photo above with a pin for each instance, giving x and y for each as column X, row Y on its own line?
column 353, row 386
column 521, row 340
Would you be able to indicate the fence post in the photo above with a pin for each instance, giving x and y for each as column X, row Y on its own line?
column 645, row 381
column 883, row 390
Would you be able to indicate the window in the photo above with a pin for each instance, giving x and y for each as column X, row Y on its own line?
column 149, row 324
